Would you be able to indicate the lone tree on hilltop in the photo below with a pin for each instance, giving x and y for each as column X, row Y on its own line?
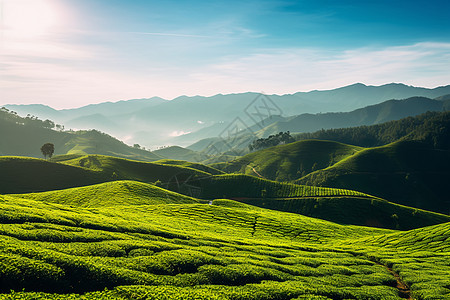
column 47, row 150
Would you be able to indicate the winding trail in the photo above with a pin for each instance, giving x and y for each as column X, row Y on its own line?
column 403, row 289
column 256, row 172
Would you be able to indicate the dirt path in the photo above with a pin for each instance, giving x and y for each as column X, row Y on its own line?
column 256, row 172
column 403, row 289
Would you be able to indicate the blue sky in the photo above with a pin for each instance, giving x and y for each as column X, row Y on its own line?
column 68, row 53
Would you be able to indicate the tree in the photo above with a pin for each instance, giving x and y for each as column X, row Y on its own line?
column 47, row 150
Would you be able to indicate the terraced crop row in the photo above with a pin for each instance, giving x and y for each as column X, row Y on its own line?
column 237, row 185
column 227, row 250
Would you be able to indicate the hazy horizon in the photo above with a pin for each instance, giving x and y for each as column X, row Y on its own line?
column 207, row 96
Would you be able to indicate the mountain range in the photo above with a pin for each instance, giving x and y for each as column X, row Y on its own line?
column 155, row 121
column 370, row 115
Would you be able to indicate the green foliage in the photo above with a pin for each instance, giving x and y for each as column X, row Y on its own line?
column 179, row 153
column 22, row 175
column 183, row 163
column 119, row 236
column 354, row 210
column 291, row 161
column 48, row 149
column 408, row 173
column 271, row 140
column 24, row 136
column 241, row 186
column 337, row 205
column 124, row 239
column 432, row 128
column 111, row 194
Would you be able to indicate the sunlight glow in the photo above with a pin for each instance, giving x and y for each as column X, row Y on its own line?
column 27, row 18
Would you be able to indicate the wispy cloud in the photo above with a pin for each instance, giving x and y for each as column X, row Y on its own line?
column 172, row 34
column 293, row 69
column 80, row 80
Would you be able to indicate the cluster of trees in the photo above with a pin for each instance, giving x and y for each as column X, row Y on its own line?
column 432, row 128
column 29, row 120
column 273, row 140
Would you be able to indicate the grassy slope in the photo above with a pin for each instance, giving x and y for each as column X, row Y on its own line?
column 111, row 194
column 95, row 142
column 180, row 153
column 245, row 186
column 432, row 128
column 26, row 140
column 291, row 161
column 369, row 115
column 23, row 175
column 420, row 256
column 338, row 205
column 192, row 165
column 20, row 175
column 227, row 250
column 355, row 210
column 408, row 173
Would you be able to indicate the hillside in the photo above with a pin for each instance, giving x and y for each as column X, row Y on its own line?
column 290, row 161
column 354, row 210
column 336, row 123
column 24, row 175
column 110, row 194
column 21, row 175
column 294, row 160
column 183, row 163
column 25, row 136
column 195, row 180
column 370, row 115
column 135, row 170
column 409, row 173
column 226, row 250
column 432, row 128
column 180, row 153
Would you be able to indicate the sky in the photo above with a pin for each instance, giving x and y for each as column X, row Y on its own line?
column 70, row 53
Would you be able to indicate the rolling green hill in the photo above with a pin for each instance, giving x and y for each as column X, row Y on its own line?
column 338, row 205
column 354, row 210
column 409, row 173
column 432, row 128
column 183, row 163
column 24, row 175
column 290, row 161
column 110, row 194
column 25, row 136
column 227, row 250
column 180, row 153
column 95, row 142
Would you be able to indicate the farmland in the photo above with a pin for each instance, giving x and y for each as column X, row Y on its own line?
column 100, row 227
column 182, row 249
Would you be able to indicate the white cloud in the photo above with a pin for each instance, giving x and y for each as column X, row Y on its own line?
column 178, row 133
column 292, row 70
column 78, row 75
